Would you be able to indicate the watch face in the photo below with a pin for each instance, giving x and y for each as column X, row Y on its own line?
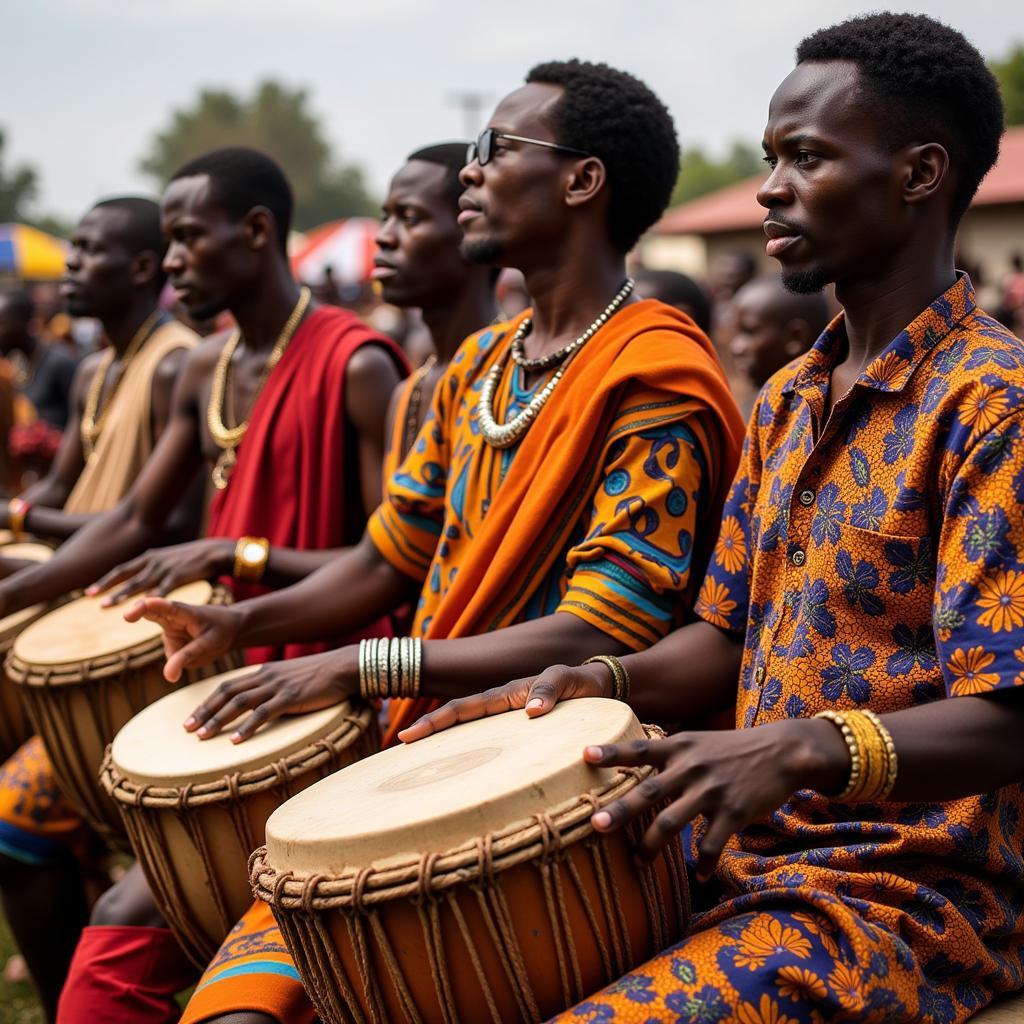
column 252, row 552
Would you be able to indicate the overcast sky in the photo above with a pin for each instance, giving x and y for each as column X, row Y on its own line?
column 86, row 83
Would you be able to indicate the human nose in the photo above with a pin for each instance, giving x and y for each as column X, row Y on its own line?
column 739, row 345
column 775, row 190
column 471, row 174
column 173, row 259
column 73, row 260
column 385, row 237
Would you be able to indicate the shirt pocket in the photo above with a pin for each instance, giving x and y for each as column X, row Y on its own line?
column 880, row 593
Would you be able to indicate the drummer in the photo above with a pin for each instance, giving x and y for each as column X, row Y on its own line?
column 120, row 405
column 869, row 561
column 227, row 215
column 574, row 527
column 419, row 265
column 114, row 273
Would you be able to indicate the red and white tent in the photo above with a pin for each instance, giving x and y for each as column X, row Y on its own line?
column 347, row 246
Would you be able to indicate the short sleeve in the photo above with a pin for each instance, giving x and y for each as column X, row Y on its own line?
column 406, row 527
column 724, row 598
column 629, row 573
column 979, row 595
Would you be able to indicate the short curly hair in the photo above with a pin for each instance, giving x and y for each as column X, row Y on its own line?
column 615, row 117
column 934, row 85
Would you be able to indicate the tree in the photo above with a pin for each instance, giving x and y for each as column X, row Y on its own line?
column 699, row 173
column 1010, row 74
column 18, row 188
column 275, row 119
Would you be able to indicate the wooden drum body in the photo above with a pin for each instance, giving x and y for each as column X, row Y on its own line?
column 15, row 726
column 196, row 809
column 84, row 672
column 459, row 878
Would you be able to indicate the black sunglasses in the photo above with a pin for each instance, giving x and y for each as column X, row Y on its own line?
column 483, row 149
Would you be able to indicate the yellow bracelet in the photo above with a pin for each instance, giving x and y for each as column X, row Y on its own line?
column 251, row 554
column 873, row 763
column 17, row 510
column 620, row 685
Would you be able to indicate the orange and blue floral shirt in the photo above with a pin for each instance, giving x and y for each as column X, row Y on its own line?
column 876, row 559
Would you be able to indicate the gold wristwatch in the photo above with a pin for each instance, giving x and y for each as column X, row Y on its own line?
column 251, row 554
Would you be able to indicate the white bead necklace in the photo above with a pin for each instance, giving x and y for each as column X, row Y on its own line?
column 504, row 435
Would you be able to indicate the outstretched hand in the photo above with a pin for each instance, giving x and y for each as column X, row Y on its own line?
column 537, row 694
column 161, row 570
column 193, row 635
column 276, row 689
column 732, row 778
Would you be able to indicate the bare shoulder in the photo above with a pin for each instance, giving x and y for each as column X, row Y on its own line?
column 204, row 356
column 370, row 361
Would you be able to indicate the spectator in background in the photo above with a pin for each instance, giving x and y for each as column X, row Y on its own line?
column 773, row 327
column 44, row 371
column 677, row 290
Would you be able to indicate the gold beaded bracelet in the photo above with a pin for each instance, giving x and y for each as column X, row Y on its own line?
column 620, row 677
column 390, row 667
column 873, row 764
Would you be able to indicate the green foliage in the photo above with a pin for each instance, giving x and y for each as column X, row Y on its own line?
column 699, row 173
column 18, row 187
column 1010, row 74
column 277, row 120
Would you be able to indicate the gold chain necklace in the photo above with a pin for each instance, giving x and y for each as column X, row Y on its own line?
column 504, row 435
column 92, row 419
column 229, row 438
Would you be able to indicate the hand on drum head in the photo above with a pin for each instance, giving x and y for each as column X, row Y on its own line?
column 537, row 694
column 732, row 778
column 161, row 570
column 279, row 688
column 193, row 636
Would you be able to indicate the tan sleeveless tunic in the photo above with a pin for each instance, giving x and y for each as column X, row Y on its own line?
column 127, row 438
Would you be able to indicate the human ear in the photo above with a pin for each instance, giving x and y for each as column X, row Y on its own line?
column 144, row 267
column 587, row 180
column 926, row 169
column 259, row 227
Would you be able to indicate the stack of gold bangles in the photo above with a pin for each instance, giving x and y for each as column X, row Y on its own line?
column 872, row 755
column 390, row 667
column 620, row 677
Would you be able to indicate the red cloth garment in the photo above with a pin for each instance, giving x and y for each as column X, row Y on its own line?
column 289, row 483
column 122, row 975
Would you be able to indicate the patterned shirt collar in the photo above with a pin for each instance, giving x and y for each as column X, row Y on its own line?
column 891, row 369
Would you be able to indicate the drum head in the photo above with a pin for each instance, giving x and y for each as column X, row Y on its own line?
column 82, row 630
column 154, row 749
column 11, row 624
column 435, row 794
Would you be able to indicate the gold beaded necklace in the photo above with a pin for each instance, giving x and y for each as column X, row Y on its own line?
column 504, row 435
column 93, row 419
column 229, row 438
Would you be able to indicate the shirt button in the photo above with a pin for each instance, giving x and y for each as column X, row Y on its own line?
column 798, row 557
column 759, row 675
column 807, row 497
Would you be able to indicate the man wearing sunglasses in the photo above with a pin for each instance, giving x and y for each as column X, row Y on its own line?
column 555, row 504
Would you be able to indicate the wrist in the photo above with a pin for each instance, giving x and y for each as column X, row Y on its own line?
column 601, row 673
column 222, row 556
column 347, row 668
column 817, row 756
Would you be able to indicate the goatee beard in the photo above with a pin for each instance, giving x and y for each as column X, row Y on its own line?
column 805, row 282
column 486, row 252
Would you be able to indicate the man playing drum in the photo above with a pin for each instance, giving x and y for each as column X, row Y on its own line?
column 272, row 408
column 120, row 405
column 863, row 827
column 419, row 264
column 558, row 493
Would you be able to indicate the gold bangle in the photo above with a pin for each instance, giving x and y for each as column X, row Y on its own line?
column 620, row 677
column 17, row 510
column 891, row 761
column 251, row 554
column 838, row 719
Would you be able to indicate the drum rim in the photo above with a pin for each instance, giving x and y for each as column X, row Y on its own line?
column 8, row 636
column 102, row 667
column 358, row 722
column 515, row 844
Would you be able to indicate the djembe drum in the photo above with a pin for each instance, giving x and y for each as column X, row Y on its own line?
column 196, row 809
column 84, row 672
column 459, row 878
column 15, row 727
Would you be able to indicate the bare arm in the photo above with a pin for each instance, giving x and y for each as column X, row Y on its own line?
column 371, row 378
column 133, row 525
